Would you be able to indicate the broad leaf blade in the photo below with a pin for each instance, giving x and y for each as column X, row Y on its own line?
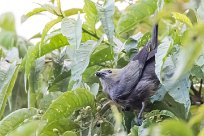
column 13, row 120
column 31, row 13
column 67, row 103
column 134, row 14
column 106, row 13
column 8, row 75
column 72, row 29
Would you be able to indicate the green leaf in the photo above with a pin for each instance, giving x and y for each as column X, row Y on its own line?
column 182, row 18
column 31, row 13
column 72, row 29
column 198, row 117
column 7, row 39
column 61, row 125
column 48, row 26
column 161, row 55
column 35, row 81
column 29, row 128
column 72, row 11
column 201, row 133
column 15, row 119
column 101, row 54
column 8, row 75
column 55, row 42
column 133, row 131
column 80, row 58
column 192, row 49
column 167, row 127
column 168, row 103
column 7, row 22
column 165, row 68
column 198, row 71
column 180, row 93
column 94, row 89
column 134, row 14
column 106, row 13
column 50, row 8
column 91, row 15
column 69, row 133
column 200, row 9
column 67, row 103
column 47, row 100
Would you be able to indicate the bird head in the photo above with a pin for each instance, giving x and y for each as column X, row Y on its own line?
column 109, row 78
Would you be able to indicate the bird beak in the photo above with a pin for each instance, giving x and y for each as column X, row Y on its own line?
column 100, row 74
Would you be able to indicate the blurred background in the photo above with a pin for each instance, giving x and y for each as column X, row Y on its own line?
column 21, row 7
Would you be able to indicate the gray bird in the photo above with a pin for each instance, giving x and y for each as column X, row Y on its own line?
column 133, row 85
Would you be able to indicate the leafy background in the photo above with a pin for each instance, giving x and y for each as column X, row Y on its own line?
column 49, row 88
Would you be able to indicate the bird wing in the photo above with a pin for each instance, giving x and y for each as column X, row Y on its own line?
column 132, row 73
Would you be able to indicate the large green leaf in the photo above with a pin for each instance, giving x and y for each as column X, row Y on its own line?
column 91, row 15
column 106, row 13
column 15, row 119
column 29, row 128
column 8, row 75
column 168, row 128
column 166, row 63
column 192, row 49
column 161, row 55
column 72, row 29
column 67, row 103
column 134, row 14
column 81, row 59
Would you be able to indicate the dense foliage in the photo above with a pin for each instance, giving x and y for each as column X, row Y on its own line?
column 49, row 88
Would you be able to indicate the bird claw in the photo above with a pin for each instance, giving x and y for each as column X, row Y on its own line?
column 139, row 121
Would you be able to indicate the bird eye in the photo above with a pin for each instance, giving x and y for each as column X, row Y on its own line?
column 109, row 71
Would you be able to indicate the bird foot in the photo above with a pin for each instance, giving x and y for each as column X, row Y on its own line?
column 139, row 121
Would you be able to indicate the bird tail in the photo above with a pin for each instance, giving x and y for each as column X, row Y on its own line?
column 154, row 40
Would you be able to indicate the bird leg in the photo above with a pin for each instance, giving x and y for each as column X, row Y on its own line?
column 139, row 117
